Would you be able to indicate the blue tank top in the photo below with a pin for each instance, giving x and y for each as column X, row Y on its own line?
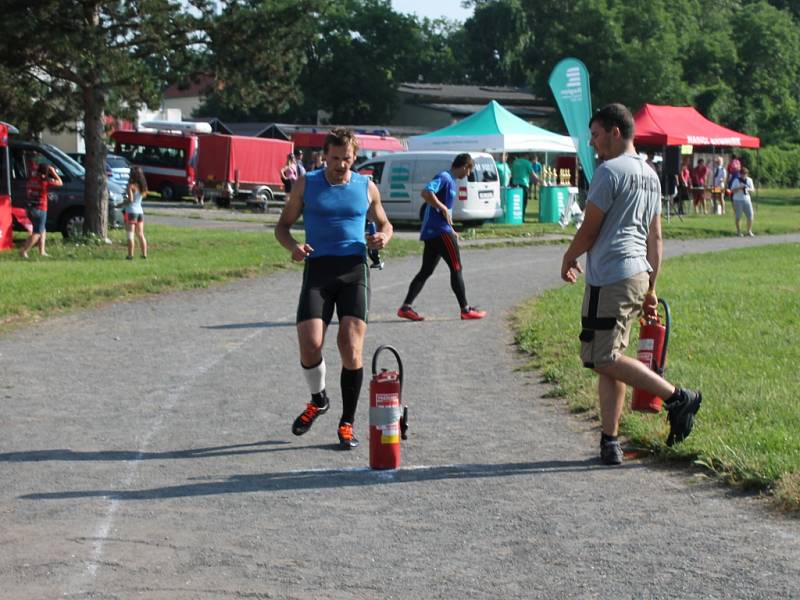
column 334, row 216
column 135, row 207
column 433, row 222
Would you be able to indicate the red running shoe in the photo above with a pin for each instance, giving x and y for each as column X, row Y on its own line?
column 472, row 313
column 406, row 312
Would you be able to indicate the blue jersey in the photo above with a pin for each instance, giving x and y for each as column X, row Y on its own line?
column 434, row 223
column 334, row 216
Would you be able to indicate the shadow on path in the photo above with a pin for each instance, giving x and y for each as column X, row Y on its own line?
column 335, row 478
column 66, row 454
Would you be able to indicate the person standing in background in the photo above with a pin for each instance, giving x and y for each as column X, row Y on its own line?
column 742, row 203
column 133, row 212
column 521, row 174
column 718, row 184
column 537, row 176
column 38, row 187
column 503, row 170
column 699, row 175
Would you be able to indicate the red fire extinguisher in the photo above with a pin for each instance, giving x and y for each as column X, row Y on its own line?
column 388, row 422
column 653, row 342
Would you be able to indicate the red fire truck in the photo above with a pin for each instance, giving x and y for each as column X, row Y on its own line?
column 168, row 155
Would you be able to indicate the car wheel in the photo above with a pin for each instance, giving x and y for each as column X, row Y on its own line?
column 72, row 225
column 167, row 192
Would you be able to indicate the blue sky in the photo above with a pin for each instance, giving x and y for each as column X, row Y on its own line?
column 433, row 8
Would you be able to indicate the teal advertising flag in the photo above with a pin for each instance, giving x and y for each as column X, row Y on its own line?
column 570, row 84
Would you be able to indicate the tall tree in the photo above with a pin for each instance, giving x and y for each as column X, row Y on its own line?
column 767, row 78
column 256, row 52
column 84, row 58
column 495, row 38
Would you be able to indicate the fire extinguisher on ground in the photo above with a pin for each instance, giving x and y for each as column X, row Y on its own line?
column 388, row 422
column 653, row 342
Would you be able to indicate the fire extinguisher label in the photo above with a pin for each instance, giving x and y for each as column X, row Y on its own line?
column 647, row 344
column 390, row 434
column 387, row 400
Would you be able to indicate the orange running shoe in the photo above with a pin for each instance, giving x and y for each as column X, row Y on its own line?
column 347, row 441
column 304, row 422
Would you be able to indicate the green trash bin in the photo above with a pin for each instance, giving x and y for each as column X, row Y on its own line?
column 511, row 201
column 552, row 200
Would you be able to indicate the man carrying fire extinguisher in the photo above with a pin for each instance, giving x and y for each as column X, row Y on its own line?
column 334, row 203
column 621, row 236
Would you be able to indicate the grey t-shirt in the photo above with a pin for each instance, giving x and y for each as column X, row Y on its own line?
column 629, row 194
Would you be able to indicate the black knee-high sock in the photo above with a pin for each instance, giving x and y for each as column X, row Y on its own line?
column 351, row 388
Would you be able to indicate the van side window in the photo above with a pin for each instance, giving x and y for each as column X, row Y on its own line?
column 485, row 170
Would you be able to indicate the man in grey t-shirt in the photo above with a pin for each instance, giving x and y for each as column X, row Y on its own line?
column 621, row 235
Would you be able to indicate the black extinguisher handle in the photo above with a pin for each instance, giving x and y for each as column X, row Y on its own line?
column 667, row 326
column 397, row 357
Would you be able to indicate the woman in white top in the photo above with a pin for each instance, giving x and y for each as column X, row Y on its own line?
column 741, row 188
column 133, row 211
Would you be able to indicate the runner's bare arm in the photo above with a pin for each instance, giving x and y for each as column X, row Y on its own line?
column 289, row 216
column 377, row 214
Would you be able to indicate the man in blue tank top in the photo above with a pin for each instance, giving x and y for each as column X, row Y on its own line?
column 334, row 203
column 440, row 240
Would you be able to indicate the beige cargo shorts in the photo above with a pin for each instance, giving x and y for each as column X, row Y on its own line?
column 606, row 317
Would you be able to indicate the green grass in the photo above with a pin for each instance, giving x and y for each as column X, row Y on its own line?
column 777, row 211
column 735, row 331
column 88, row 274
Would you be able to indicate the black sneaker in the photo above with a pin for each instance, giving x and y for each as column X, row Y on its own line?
column 681, row 414
column 347, row 441
column 304, row 422
column 610, row 452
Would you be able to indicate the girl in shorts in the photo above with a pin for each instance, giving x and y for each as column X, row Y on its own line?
column 134, row 213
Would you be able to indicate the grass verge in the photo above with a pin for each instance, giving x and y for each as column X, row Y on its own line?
column 736, row 322
column 776, row 212
column 82, row 275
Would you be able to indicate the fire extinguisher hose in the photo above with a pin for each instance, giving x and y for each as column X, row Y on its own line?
column 667, row 326
column 383, row 416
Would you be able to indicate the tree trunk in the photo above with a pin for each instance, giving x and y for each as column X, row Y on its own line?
column 96, row 222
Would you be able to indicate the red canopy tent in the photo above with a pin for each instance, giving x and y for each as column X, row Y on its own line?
column 678, row 125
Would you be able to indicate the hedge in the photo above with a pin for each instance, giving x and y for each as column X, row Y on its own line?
column 776, row 166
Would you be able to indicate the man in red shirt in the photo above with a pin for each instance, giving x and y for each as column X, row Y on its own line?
column 37, row 188
column 699, row 183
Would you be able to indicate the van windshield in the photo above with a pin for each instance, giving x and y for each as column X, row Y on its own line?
column 70, row 164
column 485, row 170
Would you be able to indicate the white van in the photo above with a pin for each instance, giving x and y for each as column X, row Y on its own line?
column 402, row 176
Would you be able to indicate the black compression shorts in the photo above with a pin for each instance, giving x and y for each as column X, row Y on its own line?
column 342, row 281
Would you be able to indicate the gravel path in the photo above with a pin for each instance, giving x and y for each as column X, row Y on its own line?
column 145, row 451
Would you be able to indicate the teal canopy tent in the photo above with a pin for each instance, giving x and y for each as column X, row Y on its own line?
column 493, row 129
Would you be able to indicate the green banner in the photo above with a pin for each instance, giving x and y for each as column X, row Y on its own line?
column 570, row 84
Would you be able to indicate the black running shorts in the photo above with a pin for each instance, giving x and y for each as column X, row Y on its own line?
column 328, row 281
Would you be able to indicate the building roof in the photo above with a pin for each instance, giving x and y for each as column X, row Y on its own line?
column 463, row 100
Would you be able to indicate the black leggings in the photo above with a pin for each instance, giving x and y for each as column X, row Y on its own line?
column 445, row 246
